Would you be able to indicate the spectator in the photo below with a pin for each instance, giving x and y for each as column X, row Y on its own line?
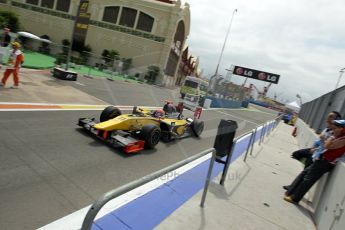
column 334, row 149
column 13, row 65
column 5, row 39
column 318, row 144
column 309, row 153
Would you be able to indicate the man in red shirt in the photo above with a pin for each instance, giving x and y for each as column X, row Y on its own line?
column 13, row 65
column 334, row 149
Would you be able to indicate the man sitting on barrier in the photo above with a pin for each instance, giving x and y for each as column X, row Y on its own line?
column 318, row 144
column 334, row 149
column 309, row 153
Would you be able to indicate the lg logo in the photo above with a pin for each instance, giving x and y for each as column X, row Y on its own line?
column 247, row 73
column 271, row 78
column 263, row 76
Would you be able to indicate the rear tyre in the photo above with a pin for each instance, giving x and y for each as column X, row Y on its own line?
column 109, row 113
column 197, row 127
column 151, row 134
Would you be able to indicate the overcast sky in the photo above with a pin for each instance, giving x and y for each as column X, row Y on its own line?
column 301, row 40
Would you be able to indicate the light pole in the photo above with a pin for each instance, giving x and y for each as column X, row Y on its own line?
column 226, row 38
column 300, row 99
column 341, row 74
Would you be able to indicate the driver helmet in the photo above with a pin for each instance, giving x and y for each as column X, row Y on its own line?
column 159, row 113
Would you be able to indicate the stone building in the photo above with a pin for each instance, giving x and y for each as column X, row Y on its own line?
column 151, row 32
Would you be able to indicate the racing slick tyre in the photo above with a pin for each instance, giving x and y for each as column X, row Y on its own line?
column 166, row 136
column 151, row 135
column 109, row 113
column 197, row 127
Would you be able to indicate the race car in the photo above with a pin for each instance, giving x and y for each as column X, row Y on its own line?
column 142, row 128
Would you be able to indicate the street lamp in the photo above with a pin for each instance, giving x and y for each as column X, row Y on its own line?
column 341, row 74
column 300, row 99
column 226, row 38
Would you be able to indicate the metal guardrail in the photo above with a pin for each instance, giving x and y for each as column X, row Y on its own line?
column 105, row 198
column 96, row 207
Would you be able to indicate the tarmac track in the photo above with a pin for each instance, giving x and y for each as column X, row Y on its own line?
column 50, row 167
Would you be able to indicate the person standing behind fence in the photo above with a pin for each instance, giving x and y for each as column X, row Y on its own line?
column 4, row 42
column 334, row 150
column 13, row 65
column 6, row 38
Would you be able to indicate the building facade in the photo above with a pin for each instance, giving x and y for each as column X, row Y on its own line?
column 150, row 32
column 188, row 67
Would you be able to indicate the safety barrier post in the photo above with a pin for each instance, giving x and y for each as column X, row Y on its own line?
column 262, row 133
column 226, row 165
column 252, row 139
column 269, row 128
column 252, row 147
column 208, row 179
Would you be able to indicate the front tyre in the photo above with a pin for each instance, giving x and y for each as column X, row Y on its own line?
column 151, row 134
column 166, row 136
column 197, row 127
column 109, row 113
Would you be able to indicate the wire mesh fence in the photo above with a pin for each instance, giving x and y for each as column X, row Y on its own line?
column 46, row 54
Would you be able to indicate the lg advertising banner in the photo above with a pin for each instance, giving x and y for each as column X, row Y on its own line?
column 256, row 74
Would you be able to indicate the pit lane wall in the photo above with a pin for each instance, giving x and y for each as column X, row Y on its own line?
column 327, row 196
column 192, row 101
column 225, row 103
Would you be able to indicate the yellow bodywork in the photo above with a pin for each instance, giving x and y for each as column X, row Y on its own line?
column 130, row 122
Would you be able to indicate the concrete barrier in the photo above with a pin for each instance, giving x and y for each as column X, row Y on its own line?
column 223, row 103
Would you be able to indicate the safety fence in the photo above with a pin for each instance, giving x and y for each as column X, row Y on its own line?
column 243, row 145
column 41, row 53
column 314, row 112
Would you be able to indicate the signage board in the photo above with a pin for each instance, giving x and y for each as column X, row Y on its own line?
column 81, row 25
column 256, row 74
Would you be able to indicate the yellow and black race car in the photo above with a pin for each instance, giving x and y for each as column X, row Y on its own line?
column 142, row 128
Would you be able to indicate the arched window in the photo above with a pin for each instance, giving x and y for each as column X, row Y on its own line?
column 63, row 5
column 33, row 2
column 128, row 16
column 47, row 3
column 145, row 22
column 111, row 13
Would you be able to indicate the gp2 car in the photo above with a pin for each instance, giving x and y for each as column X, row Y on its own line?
column 142, row 128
